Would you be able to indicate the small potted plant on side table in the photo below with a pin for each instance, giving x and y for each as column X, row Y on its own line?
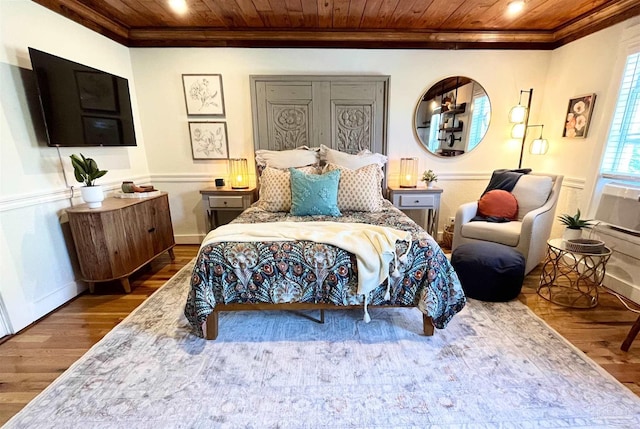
column 429, row 177
column 574, row 225
column 86, row 171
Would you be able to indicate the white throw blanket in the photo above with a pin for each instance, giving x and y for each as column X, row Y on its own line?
column 374, row 246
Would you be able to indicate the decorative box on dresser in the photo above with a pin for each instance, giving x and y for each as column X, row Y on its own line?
column 115, row 240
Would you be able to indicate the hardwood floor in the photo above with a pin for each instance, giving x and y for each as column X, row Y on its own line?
column 32, row 359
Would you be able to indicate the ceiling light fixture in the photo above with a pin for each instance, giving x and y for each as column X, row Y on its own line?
column 178, row 6
column 515, row 7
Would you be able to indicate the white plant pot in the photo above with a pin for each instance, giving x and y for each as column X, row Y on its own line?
column 92, row 195
column 571, row 234
column 429, row 184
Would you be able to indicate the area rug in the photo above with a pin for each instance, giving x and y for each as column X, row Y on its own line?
column 495, row 365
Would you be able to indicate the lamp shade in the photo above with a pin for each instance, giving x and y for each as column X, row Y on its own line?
column 408, row 172
column 517, row 132
column 517, row 114
column 239, row 175
column 539, row 146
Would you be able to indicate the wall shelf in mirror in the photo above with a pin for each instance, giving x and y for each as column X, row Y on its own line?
column 452, row 116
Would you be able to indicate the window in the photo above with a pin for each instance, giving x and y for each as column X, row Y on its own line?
column 622, row 154
column 479, row 120
column 434, row 133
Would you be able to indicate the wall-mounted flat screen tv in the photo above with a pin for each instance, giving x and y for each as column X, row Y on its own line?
column 82, row 106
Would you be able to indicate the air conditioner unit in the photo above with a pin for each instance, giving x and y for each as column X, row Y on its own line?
column 618, row 217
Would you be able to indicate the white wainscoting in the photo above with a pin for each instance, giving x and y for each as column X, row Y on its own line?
column 39, row 265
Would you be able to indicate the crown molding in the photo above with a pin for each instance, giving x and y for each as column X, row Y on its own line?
column 608, row 14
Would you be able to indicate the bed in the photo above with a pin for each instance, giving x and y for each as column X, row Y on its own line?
column 236, row 270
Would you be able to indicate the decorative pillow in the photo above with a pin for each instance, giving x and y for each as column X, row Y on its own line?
column 351, row 161
column 298, row 157
column 359, row 190
column 532, row 192
column 313, row 194
column 498, row 203
column 275, row 189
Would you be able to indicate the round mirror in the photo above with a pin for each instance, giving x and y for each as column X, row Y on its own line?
column 453, row 116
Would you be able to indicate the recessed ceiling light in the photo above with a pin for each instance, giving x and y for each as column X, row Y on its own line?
column 178, row 6
column 515, row 7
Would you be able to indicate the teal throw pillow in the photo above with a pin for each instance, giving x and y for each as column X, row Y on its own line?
column 314, row 194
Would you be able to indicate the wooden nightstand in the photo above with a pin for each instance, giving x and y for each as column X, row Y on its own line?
column 419, row 198
column 225, row 199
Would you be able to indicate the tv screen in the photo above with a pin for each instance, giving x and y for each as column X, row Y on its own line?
column 82, row 106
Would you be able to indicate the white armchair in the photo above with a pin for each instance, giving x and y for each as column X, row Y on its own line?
column 537, row 203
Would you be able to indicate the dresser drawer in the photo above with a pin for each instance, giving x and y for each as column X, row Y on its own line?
column 418, row 201
column 226, row 202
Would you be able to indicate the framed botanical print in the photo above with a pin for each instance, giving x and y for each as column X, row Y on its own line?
column 203, row 94
column 209, row 140
column 578, row 116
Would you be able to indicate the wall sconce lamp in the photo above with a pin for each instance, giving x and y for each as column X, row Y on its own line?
column 239, row 175
column 408, row 172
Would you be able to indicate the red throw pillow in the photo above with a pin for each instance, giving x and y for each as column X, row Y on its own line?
column 498, row 203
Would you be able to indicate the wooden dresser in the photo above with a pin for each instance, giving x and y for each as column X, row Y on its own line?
column 120, row 237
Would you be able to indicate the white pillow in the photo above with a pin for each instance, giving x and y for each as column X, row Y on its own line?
column 351, row 161
column 298, row 157
column 532, row 192
column 359, row 190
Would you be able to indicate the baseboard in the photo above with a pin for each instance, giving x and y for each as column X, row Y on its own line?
column 189, row 238
column 47, row 304
column 622, row 287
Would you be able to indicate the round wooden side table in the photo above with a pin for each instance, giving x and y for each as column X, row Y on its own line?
column 570, row 278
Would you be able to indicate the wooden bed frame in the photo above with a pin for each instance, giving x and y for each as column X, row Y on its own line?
column 210, row 326
column 350, row 93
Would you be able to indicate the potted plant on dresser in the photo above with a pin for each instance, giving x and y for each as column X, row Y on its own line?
column 86, row 171
column 574, row 225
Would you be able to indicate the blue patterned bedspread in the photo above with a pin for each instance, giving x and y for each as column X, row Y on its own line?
column 309, row 272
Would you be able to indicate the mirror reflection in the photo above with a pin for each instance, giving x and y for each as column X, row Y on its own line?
column 452, row 117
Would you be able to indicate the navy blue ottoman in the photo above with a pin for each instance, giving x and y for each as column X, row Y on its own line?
column 489, row 271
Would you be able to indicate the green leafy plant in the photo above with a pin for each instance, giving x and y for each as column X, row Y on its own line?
column 86, row 170
column 429, row 176
column 574, row 222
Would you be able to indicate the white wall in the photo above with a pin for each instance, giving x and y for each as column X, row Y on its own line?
column 36, row 256
column 33, row 192
column 592, row 64
column 158, row 71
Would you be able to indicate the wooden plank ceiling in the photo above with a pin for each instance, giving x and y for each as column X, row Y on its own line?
column 434, row 24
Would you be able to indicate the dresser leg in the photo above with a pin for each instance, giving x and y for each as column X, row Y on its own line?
column 125, row 284
column 92, row 287
column 172, row 255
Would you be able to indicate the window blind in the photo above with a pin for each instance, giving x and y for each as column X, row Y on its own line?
column 479, row 120
column 622, row 154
